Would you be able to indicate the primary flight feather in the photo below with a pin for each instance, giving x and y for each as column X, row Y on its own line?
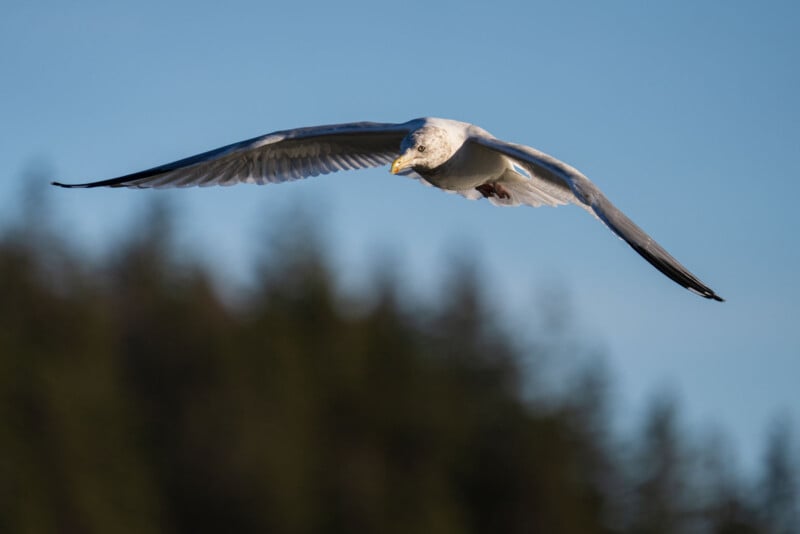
column 451, row 155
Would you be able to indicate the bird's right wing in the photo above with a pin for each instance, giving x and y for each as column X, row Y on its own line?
column 276, row 157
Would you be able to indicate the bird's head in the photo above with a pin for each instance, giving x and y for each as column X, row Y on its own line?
column 425, row 148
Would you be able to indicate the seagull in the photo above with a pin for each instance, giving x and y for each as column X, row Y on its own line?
column 454, row 156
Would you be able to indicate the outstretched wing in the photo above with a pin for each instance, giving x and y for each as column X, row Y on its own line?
column 554, row 182
column 276, row 157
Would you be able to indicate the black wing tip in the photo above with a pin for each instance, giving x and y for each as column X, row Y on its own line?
column 67, row 186
column 105, row 183
column 705, row 292
column 712, row 296
column 699, row 289
column 676, row 272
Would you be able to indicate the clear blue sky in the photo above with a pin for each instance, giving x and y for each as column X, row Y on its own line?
column 686, row 114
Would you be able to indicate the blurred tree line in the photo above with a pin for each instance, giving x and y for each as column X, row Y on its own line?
column 134, row 399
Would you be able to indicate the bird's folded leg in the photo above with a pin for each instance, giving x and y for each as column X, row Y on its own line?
column 486, row 190
column 496, row 190
column 501, row 191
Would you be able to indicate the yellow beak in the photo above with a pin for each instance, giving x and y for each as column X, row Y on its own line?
column 398, row 165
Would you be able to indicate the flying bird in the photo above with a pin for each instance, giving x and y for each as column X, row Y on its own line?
column 451, row 155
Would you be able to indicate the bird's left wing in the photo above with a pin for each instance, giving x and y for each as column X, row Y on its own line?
column 276, row 157
column 564, row 183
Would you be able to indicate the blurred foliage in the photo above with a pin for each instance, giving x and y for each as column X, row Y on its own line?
column 133, row 399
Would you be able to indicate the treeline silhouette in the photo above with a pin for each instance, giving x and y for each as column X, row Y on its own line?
column 135, row 399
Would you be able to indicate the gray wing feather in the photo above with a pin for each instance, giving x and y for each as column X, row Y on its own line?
column 276, row 157
column 563, row 182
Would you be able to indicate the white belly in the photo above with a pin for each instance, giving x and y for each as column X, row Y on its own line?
column 472, row 165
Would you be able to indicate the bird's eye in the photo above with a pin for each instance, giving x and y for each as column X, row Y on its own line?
column 421, row 148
